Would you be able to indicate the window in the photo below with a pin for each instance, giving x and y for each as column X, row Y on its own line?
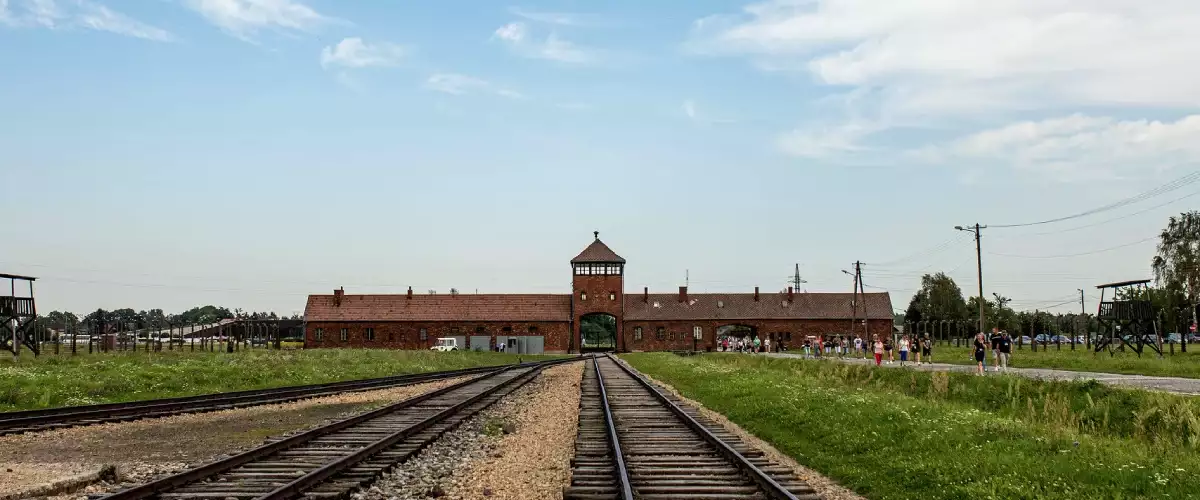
column 533, row 330
column 390, row 337
column 425, row 335
column 369, row 334
column 479, row 329
column 319, row 334
column 612, row 295
column 453, row 330
column 661, row 333
column 345, row 334
column 637, row 333
column 671, row 336
column 697, row 333
column 506, row 330
column 582, row 295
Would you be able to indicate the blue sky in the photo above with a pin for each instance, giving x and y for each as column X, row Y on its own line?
column 249, row 152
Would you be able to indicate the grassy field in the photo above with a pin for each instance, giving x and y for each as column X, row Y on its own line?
column 51, row 381
column 1177, row 365
column 892, row 434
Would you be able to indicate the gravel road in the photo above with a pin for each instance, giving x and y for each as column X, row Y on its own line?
column 144, row 449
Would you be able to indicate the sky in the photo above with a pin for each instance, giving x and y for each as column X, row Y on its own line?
column 247, row 153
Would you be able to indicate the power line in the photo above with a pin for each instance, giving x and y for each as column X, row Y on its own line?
column 1106, row 221
column 1075, row 254
column 1165, row 188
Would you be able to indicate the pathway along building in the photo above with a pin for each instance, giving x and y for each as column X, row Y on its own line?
column 598, row 315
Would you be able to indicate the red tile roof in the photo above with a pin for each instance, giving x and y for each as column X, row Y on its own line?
column 462, row 307
column 705, row 306
column 598, row 252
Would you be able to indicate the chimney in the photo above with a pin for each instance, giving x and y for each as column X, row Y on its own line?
column 337, row 296
column 683, row 294
column 410, row 293
column 791, row 294
column 756, row 294
column 646, row 294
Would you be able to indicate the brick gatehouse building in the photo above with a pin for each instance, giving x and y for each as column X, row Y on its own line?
column 553, row 323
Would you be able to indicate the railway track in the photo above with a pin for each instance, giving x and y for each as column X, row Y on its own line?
column 635, row 441
column 73, row 416
column 333, row 460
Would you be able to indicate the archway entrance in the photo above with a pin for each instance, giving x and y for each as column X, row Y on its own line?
column 598, row 332
column 733, row 333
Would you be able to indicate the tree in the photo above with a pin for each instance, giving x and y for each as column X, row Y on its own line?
column 913, row 314
column 940, row 298
column 1177, row 265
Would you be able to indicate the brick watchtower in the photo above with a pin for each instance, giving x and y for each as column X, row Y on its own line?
column 597, row 290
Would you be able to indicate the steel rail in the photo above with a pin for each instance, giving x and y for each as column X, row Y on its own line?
column 300, row 484
column 150, row 489
column 769, row 486
column 192, row 404
column 614, row 444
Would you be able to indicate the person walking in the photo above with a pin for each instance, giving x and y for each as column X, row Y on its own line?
column 904, row 346
column 887, row 346
column 757, row 344
column 878, row 348
column 1005, row 351
column 858, row 347
column 980, row 351
column 926, row 351
column 995, row 342
column 767, row 345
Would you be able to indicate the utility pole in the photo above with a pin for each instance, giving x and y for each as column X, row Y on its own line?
column 1087, row 336
column 854, row 302
column 795, row 281
column 862, row 293
column 978, row 268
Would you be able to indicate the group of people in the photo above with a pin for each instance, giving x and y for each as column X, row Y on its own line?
column 841, row 346
column 1001, row 347
column 745, row 344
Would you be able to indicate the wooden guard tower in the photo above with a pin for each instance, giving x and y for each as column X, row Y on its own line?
column 1131, row 322
column 17, row 315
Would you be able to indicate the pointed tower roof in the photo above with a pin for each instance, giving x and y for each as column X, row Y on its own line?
column 598, row 252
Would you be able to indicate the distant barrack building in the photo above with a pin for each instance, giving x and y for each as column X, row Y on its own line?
column 597, row 315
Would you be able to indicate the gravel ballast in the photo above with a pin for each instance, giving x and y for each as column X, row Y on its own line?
column 144, row 449
column 518, row 448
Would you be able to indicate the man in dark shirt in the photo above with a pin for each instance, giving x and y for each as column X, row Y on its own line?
column 995, row 341
column 1005, row 351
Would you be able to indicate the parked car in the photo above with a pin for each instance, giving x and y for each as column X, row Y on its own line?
column 445, row 344
column 1173, row 338
column 1026, row 340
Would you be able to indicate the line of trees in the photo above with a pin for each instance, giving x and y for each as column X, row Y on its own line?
column 129, row 319
column 1175, row 294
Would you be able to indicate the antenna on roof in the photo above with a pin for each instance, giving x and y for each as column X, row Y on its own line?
column 596, row 234
column 687, row 277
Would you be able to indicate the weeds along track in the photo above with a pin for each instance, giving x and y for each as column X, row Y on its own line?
column 635, row 441
column 18, row 422
column 333, row 460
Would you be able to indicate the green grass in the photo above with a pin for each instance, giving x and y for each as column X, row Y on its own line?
column 1177, row 365
column 50, row 381
column 892, row 434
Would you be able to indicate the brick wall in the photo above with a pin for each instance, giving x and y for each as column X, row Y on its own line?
column 677, row 335
column 603, row 296
column 406, row 335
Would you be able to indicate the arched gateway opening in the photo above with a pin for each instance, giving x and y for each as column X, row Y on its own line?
column 728, row 335
column 598, row 332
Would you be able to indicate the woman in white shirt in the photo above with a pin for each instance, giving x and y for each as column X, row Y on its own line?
column 904, row 344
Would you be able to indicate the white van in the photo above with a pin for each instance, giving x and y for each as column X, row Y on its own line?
column 445, row 344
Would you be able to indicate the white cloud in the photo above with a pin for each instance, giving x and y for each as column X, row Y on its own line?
column 355, row 53
column 516, row 36
column 458, row 84
column 245, row 18
column 558, row 18
column 975, row 63
column 826, row 142
column 1084, row 52
column 77, row 14
column 689, row 109
column 101, row 18
column 1077, row 146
